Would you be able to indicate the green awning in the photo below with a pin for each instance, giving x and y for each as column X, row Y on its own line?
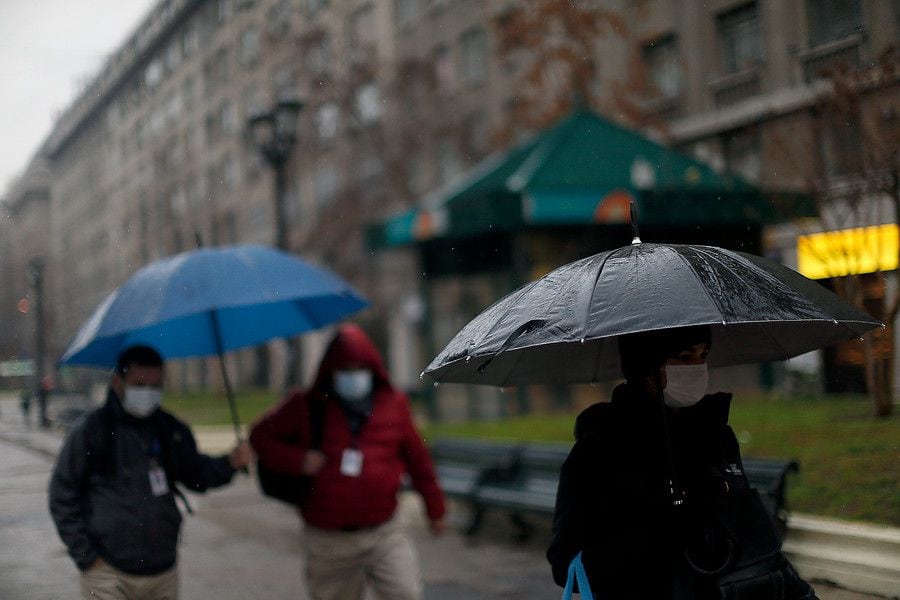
column 584, row 170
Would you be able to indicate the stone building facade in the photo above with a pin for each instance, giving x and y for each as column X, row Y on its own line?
column 401, row 96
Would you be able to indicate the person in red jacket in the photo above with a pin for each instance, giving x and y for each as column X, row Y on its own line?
column 352, row 534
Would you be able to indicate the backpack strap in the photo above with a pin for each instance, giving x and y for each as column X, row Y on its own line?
column 316, row 423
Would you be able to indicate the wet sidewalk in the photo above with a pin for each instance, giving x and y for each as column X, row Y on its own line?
column 240, row 545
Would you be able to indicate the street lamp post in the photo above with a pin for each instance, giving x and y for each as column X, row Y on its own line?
column 35, row 274
column 274, row 134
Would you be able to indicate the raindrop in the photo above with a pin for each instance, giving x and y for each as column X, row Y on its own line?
column 502, row 389
column 724, row 323
column 582, row 340
column 436, row 383
column 744, row 437
column 835, row 321
column 468, row 358
column 422, row 375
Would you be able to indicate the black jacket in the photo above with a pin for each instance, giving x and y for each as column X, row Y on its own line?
column 100, row 494
column 613, row 504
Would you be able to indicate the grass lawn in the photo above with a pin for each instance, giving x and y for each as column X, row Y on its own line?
column 849, row 461
column 211, row 408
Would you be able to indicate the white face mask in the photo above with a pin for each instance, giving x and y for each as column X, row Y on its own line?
column 685, row 384
column 353, row 385
column 140, row 402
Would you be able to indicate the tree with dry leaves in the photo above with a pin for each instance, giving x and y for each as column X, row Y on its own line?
column 855, row 181
column 556, row 44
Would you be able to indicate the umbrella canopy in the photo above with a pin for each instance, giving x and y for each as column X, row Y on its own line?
column 212, row 300
column 563, row 328
column 583, row 170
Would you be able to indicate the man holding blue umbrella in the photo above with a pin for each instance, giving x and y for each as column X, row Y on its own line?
column 112, row 492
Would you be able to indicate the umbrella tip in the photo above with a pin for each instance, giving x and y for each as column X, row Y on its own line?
column 635, row 235
column 422, row 375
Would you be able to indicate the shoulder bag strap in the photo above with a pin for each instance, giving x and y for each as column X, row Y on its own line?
column 577, row 573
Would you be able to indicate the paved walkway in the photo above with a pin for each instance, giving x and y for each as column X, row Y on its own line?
column 239, row 545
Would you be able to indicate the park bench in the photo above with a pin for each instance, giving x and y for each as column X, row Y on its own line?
column 521, row 479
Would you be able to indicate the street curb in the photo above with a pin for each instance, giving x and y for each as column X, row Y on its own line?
column 854, row 556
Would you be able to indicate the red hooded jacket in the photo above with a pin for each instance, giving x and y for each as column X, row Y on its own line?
column 389, row 443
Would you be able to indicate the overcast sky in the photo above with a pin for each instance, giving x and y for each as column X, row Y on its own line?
column 46, row 48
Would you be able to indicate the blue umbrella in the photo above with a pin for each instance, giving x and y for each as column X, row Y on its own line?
column 210, row 301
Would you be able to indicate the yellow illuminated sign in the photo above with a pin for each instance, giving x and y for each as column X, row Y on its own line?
column 848, row 252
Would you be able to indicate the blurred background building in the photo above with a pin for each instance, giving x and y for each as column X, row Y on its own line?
column 401, row 98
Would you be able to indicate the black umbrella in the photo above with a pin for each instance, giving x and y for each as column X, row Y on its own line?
column 563, row 327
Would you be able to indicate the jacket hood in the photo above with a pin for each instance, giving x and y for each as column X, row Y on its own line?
column 351, row 348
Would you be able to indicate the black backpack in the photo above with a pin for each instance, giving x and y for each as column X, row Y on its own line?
column 294, row 489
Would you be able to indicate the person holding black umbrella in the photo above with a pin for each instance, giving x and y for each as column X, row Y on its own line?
column 112, row 491
column 653, row 495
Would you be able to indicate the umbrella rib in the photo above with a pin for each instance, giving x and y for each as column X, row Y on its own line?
column 301, row 307
column 712, row 257
column 596, row 280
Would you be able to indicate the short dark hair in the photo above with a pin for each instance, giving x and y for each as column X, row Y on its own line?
column 143, row 356
column 642, row 353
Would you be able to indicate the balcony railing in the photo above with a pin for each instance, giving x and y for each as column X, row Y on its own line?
column 818, row 61
column 736, row 87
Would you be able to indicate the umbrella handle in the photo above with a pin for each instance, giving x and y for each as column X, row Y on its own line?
column 676, row 493
column 229, row 391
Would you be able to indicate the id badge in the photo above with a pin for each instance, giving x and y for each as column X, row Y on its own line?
column 159, row 485
column 351, row 462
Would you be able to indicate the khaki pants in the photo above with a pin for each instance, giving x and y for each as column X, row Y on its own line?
column 340, row 564
column 105, row 582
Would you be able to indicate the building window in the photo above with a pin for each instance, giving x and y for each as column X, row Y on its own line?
column 230, row 172
column 249, row 54
column 314, row 6
column 663, row 67
column 405, row 12
column 449, row 163
column 477, row 139
column 833, row 19
column 187, row 93
column 173, row 56
column 279, row 18
column 254, row 100
column 318, row 57
column 283, row 80
column 190, row 41
column 327, row 121
column 417, row 175
column 368, row 104
column 739, row 35
column 325, row 184
column 842, row 147
column 443, row 68
column 229, row 117
column 743, row 155
column 361, row 27
column 153, row 74
column 224, row 10
column 473, row 56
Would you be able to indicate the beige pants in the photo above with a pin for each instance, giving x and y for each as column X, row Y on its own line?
column 105, row 582
column 339, row 565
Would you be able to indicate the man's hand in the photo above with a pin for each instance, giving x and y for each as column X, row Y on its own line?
column 240, row 456
column 438, row 526
column 313, row 461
